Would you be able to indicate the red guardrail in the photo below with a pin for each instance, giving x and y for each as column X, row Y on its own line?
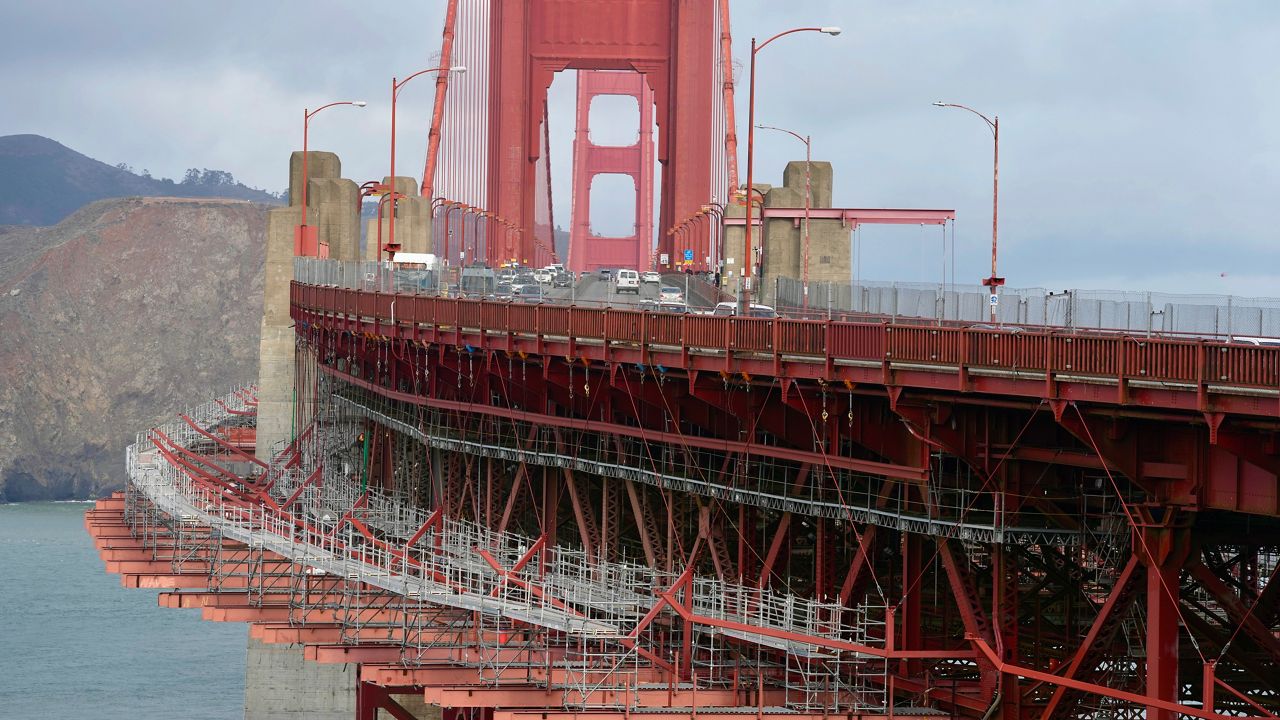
column 1111, row 356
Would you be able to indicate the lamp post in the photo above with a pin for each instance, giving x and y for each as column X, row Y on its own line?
column 395, row 92
column 751, row 139
column 448, row 230
column 808, row 201
column 993, row 122
column 306, row 128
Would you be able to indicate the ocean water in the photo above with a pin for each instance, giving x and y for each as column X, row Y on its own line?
column 73, row 643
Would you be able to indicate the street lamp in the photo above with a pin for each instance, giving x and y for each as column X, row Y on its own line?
column 306, row 127
column 751, row 140
column 808, row 201
column 395, row 92
column 994, row 281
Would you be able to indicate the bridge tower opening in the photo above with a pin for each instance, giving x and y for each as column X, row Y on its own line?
column 671, row 44
column 592, row 247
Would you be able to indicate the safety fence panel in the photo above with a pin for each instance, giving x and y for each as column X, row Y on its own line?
column 923, row 344
column 384, row 305
column 859, row 341
column 802, row 337
column 1077, row 355
column 469, row 313
column 623, row 325
column 586, row 323
column 1243, row 365
column 1160, row 359
column 1011, row 351
column 511, row 317
column 552, row 320
column 664, row 329
column 751, row 335
column 706, row 332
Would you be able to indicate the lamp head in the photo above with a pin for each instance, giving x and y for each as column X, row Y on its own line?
column 359, row 103
column 941, row 104
column 830, row 30
column 458, row 69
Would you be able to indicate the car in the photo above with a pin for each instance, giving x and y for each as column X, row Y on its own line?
column 651, row 277
column 627, row 281
column 670, row 294
column 543, row 275
column 502, row 291
column 1257, row 341
column 524, row 279
column 562, row 280
column 605, row 273
column 757, row 311
column 677, row 308
column 529, row 294
column 997, row 328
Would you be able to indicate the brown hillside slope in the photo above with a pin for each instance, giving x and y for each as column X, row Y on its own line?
column 130, row 310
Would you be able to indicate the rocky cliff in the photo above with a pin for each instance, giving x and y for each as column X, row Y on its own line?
column 110, row 321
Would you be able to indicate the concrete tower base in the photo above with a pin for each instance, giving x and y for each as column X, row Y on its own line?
column 279, row 685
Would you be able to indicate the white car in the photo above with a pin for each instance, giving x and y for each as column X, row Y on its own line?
column 758, row 311
column 543, row 275
column 651, row 277
column 627, row 281
column 670, row 294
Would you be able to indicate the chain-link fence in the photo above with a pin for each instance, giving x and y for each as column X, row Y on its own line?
column 1130, row 311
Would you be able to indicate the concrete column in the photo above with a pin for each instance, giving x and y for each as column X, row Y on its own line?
column 320, row 165
column 281, row 685
column 734, row 239
column 275, row 348
column 782, row 240
column 820, row 181
column 829, row 240
column 337, row 203
column 413, row 223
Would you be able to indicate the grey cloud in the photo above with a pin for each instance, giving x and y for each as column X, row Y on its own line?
column 1139, row 142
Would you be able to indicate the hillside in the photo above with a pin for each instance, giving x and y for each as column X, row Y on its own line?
column 126, row 311
column 42, row 182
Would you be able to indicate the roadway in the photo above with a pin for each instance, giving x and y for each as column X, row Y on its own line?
column 592, row 289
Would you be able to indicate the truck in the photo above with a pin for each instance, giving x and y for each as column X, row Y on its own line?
column 478, row 281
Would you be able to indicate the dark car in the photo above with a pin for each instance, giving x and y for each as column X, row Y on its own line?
column 562, row 280
column 606, row 274
column 502, row 291
column 529, row 293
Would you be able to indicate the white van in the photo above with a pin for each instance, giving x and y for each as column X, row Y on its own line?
column 627, row 281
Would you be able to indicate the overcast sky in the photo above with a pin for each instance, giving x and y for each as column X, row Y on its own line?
column 1140, row 141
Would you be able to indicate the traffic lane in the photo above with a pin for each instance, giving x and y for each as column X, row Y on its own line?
column 594, row 290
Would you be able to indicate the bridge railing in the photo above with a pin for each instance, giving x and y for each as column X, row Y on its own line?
column 1048, row 352
column 1134, row 312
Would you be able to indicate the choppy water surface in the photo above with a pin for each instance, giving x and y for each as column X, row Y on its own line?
column 73, row 643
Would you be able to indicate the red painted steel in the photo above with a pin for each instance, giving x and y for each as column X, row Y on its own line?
column 1173, row 374
column 587, row 249
column 671, row 42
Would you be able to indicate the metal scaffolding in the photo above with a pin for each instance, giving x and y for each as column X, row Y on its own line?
column 385, row 570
